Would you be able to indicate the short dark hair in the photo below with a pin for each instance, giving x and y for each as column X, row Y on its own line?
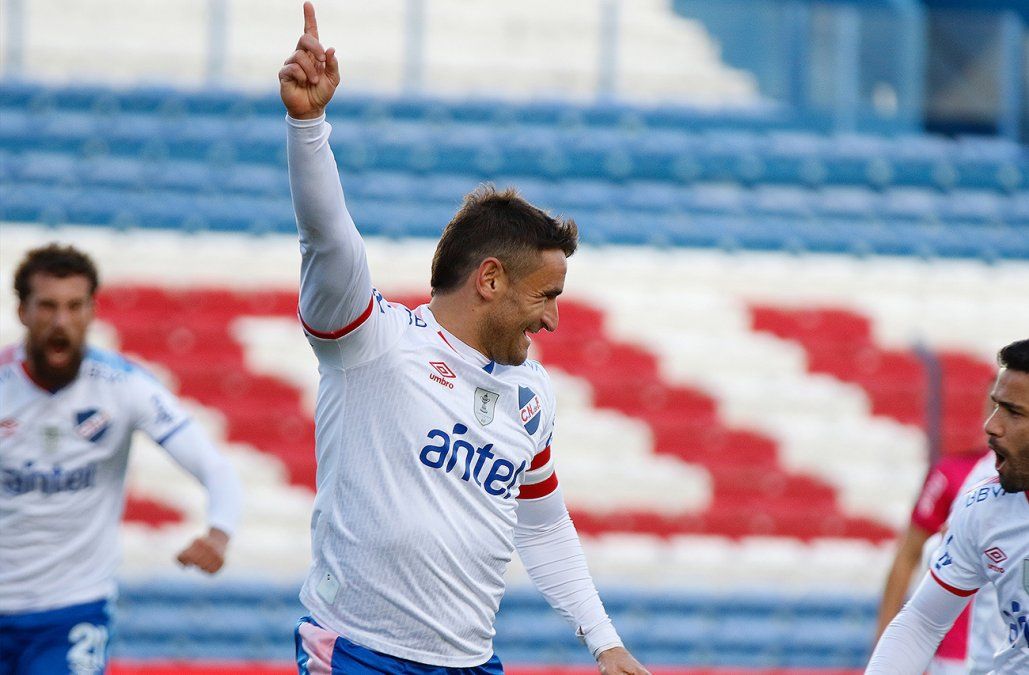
column 500, row 224
column 57, row 261
column 1015, row 356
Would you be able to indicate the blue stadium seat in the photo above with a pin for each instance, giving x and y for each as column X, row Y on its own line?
column 47, row 167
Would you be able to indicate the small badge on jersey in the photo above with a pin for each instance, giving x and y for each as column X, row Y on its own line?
column 485, row 405
column 1025, row 575
column 92, row 424
column 327, row 588
column 51, row 438
column 529, row 409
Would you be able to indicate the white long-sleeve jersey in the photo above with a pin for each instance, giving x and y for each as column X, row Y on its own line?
column 987, row 543
column 986, row 631
column 63, row 457
column 432, row 460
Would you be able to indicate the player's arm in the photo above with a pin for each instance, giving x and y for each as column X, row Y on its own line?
column 335, row 285
column 550, row 549
column 911, row 639
column 161, row 416
column 907, row 559
column 193, row 450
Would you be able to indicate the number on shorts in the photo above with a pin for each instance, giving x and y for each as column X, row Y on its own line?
column 89, row 646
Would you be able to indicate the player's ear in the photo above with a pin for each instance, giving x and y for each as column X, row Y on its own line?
column 490, row 278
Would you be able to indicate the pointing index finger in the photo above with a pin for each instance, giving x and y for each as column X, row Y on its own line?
column 310, row 22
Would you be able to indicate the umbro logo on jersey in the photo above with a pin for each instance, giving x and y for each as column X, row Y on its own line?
column 995, row 556
column 443, row 374
column 92, row 424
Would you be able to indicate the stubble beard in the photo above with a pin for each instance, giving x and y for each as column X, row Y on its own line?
column 1016, row 483
column 497, row 338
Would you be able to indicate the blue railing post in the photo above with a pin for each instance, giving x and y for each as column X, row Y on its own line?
column 1012, row 75
column 848, row 67
column 797, row 53
column 911, row 97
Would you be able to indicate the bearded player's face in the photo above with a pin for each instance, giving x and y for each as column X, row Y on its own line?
column 57, row 314
column 1008, row 429
column 528, row 305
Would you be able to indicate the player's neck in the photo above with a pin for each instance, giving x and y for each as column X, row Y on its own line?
column 454, row 315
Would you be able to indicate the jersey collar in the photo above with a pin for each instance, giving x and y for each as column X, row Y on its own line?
column 465, row 351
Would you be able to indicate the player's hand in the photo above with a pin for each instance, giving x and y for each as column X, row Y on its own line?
column 618, row 661
column 206, row 552
column 310, row 75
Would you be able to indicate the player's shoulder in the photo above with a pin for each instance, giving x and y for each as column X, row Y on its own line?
column 10, row 356
column 112, row 366
column 983, row 496
column 533, row 371
column 10, row 361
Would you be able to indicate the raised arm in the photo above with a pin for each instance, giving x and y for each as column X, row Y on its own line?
column 335, row 285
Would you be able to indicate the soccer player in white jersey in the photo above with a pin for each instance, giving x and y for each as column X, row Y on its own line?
column 986, row 630
column 987, row 542
column 67, row 415
column 432, row 429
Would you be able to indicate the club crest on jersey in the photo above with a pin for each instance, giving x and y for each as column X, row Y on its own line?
column 1025, row 575
column 485, row 405
column 92, row 424
column 530, row 409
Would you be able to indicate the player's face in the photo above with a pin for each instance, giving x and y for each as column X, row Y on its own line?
column 529, row 305
column 1008, row 429
column 57, row 314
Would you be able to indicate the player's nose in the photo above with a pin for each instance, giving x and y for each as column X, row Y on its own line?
column 61, row 318
column 550, row 317
column 992, row 426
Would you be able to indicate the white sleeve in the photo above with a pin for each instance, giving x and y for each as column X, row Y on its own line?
column 194, row 451
column 552, row 554
column 335, row 284
column 909, row 642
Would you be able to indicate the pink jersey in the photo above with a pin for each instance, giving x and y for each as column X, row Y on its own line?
column 941, row 489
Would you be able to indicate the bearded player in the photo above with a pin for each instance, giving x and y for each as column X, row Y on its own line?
column 67, row 415
column 987, row 543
